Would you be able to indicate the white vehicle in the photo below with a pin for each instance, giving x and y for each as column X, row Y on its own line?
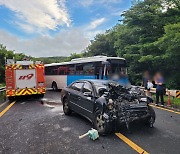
column 59, row 75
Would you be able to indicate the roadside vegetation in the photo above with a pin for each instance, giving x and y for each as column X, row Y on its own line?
column 2, row 96
column 175, row 102
column 2, row 85
column 148, row 36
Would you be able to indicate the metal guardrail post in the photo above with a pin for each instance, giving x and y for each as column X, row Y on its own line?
column 2, row 89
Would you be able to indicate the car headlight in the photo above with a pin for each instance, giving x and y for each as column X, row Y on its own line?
column 110, row 104
column 143, row 99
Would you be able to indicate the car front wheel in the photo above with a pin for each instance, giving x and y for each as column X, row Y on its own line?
column 151, row 120
column 66, row 108
column 101, row 124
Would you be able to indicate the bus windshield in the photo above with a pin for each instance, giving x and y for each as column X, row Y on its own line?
column 117, row 67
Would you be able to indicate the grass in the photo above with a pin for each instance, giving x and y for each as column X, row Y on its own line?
column 2, row 93
column 2, row 85
column 175, row 102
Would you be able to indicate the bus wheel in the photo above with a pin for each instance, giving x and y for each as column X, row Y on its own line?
column 54, row 86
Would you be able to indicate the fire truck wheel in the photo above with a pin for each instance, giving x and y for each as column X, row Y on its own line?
column 11, row 98
column 41, row 95
column 54, row 86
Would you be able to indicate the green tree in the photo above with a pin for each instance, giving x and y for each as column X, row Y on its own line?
column 146, row 37
column 103, row 44
column 170, row 43
column 4, row 53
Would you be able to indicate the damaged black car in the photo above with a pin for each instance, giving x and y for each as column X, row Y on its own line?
column 107, row 104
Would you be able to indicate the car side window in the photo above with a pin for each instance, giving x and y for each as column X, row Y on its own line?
column 77, row 86
column 87, row 88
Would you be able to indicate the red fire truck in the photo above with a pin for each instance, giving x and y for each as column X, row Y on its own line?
column 24, row 78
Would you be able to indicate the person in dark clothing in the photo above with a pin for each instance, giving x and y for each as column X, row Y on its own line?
column 154, row 84
column 159, row 80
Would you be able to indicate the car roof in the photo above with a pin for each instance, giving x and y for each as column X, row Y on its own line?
column 95, row 81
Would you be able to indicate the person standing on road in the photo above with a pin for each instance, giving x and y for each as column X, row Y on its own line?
column 145, row 79
column 149, row 86
column 159, row 80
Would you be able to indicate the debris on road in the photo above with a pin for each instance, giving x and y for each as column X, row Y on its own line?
column 93, row 134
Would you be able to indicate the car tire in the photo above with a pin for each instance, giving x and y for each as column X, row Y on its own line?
column 151, row 119
column 66, row 108
column 54, row 86
column 101, row 125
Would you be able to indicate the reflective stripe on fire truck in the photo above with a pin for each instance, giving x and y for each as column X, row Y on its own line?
column 28, row 91
column 39, row 66
column 14, row 66
column 18, row 66
column 10, row 93
column 32, row 66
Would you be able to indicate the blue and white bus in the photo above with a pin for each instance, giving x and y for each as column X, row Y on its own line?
column 59, row 75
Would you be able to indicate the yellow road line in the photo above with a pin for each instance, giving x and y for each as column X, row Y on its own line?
column 164, row 109
column 6, row 109
column 131, row 144
column 3, row 104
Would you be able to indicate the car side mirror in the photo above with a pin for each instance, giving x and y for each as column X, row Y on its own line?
column 88, row 94
column 102, row 91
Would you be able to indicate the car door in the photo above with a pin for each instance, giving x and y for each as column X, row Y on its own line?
column 87, row 102
column 74, row 95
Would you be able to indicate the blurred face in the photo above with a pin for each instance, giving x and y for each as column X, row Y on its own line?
column 146, row 74
column 158, row 75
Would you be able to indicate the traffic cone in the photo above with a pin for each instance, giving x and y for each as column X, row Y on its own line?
column 169, row 100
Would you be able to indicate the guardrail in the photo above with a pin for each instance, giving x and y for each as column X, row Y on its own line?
column 2, row 89
column 169, row 93
column 2, row 95
column 174, row 93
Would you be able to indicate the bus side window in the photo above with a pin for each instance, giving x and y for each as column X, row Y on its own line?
column 89, row 69
column 62, row 70
column 99, row 70
column 47, row 71
column 79, row 69
column 71, row 69
column 54, row 72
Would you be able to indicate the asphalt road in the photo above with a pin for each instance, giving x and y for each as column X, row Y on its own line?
column 31, row 126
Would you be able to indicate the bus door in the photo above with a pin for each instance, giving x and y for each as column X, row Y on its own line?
column 107, row 70
column 99, row 70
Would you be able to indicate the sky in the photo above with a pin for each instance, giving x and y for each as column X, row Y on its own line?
column 43, row 28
